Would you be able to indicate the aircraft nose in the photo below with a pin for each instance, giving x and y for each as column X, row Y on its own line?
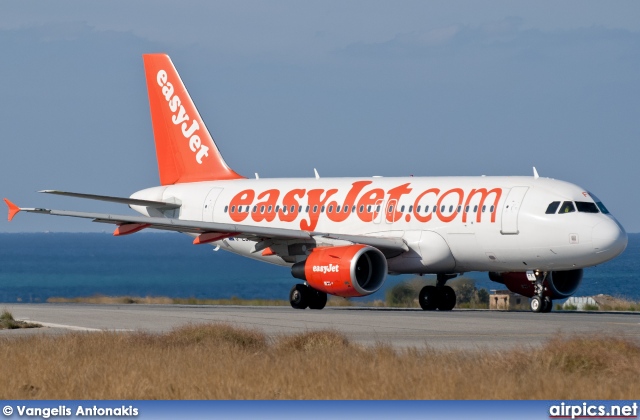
column 609, row 238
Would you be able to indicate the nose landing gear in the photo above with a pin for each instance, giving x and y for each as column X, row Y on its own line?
column 539, row 302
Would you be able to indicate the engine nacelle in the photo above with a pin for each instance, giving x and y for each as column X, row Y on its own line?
column 347, row 271
column 557, row 285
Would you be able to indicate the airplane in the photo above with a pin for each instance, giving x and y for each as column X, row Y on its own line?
column 343, row 236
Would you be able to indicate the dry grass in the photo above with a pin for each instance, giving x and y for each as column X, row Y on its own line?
column 221, row 362
column 610, row 303
column 150, row 300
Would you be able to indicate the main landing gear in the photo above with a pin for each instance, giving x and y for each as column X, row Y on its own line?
column 302, row 296
column 439, row 296
column 539, row 302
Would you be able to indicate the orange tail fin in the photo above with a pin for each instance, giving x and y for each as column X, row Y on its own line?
column 185, row 150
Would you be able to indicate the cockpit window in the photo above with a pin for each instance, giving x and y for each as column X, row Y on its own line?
column 586, row 207
column 567, row 207
column 601, row 206
column 553, row 207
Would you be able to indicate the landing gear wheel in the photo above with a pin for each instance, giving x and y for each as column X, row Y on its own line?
column 536, row 304
column 318, row 299
column 547, row 304
column 446, row 298
column 299, row 296
column 428, row 298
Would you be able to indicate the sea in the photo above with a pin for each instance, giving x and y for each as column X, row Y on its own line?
column 37, row 266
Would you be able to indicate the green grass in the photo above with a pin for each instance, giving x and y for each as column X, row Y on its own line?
column 7, row 322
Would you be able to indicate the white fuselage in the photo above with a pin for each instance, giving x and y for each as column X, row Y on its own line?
column 451, row 224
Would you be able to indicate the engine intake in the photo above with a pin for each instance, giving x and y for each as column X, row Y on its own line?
column 347, row 271
column 558, row 284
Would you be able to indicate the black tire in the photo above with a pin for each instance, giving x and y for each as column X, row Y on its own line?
column 299, row 296
column 547, row 304
column 428, row 298
column 318, row 299
column 446, row 298
column 536, row 304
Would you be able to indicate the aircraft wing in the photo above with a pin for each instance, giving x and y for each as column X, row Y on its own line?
column 160, row 205
column 213, row 231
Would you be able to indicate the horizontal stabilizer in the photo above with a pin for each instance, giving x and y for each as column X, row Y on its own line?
column 160, row 205
column 13, row 209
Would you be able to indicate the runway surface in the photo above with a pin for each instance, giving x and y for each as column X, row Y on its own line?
column 461, row 329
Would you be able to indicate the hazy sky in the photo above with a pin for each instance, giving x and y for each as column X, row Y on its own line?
column 353, row 88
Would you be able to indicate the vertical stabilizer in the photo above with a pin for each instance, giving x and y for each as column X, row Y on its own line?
column 185, row 150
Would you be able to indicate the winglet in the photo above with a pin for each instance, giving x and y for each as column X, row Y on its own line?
column 13, row 209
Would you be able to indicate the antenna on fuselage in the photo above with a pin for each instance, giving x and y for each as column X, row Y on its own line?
column 535, row 173
column 315, row 171
column 257, row 176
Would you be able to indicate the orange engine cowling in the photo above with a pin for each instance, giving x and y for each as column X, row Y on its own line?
column 347, row 271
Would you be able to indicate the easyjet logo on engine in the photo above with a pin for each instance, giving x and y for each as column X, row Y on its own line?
column 180, row 117
column 331, row 268
column 370, row 205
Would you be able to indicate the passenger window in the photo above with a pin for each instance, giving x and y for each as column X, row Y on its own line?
column 484, row 208
column 269, row 210
column 255, row 209
column 567, row 207
column 307, row 209
column 475, row 209
column 402, row 209
column 261, row 209
column 426, row 209
column 553, row 207
column 330, row 209
column 226, row 208
column 410, row 209
column 322, row 209
column 315, row 209
column 233, row 209
column 586, row 207
column 338, row 209
column 418, row 209
column 450, row 209
column 361, row 209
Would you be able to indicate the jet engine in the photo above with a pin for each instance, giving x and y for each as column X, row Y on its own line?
column 347, row 271
column 557, row 285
